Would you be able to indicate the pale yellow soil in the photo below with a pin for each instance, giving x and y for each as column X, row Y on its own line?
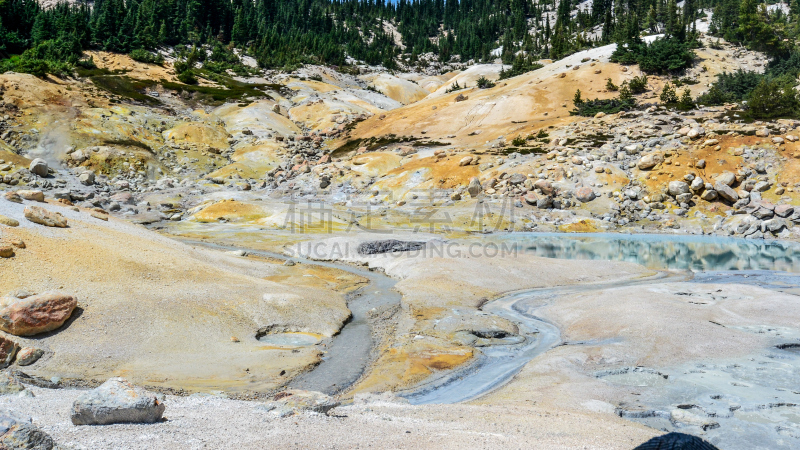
column 162, row 313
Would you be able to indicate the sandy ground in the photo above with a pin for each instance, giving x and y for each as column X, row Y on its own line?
column 216, row 423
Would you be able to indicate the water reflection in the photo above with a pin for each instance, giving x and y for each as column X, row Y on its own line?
column 663, row 252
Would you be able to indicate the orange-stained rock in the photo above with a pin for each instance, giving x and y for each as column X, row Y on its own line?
column 8, row 349
column 6, row 251
column 28, row 355
column 35, row 196
column 9, row 222
column 44, row 217
column 37, row 314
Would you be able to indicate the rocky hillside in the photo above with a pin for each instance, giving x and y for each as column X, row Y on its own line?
column 234, row 158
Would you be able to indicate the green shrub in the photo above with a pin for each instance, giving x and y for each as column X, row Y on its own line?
column 87, row 63
column 611, row 106
column 679, row 82
column 36, row 67
column 589, row 108
column 519, row 141
column 187, row 77
column 714, row 96
column 638, row 84
column 54, row 56
column 686, row 102
column 576, row 99
column 774, row 98
column 454, row 87
column 519, row 66
column 611, row 86
column 660, row 56
column 668, row 95
column 666, row 55
column 625, row 93
column 146, row 57
column 181, row 66
column 788, row 65
column 485, row 83
column 731, row 87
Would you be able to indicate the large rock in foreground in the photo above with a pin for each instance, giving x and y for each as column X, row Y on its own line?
column 116, row 401
column 37, row 314
column 44, row 217
column 17, row 431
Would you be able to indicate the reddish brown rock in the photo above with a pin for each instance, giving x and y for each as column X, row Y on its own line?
column 531, row 198
column 124, row 198
column 545, row 186
column 6, row 251
column 44, row 217
column 584, row 194
column 37, row 314
column 8, row 349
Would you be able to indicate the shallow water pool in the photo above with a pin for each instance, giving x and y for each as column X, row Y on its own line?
column 698, row 253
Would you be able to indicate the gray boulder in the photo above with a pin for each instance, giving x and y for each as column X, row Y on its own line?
column 709, row 195
column 676, row 188
column 726, row 178
column 762, row 212
column 39, row 167
column 474, row 187
column 784, row 210
column 544, row 203
column 86, row 178
column 18, row 432
column 726, row 191
column 116, row 401
column 517, row 178
column 696, row 133
column 774, row 225
column 10, row 383
column 650, row 160
column 761, row 186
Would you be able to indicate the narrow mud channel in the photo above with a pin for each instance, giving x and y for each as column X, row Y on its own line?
column 348, row 354
column 499, row 363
